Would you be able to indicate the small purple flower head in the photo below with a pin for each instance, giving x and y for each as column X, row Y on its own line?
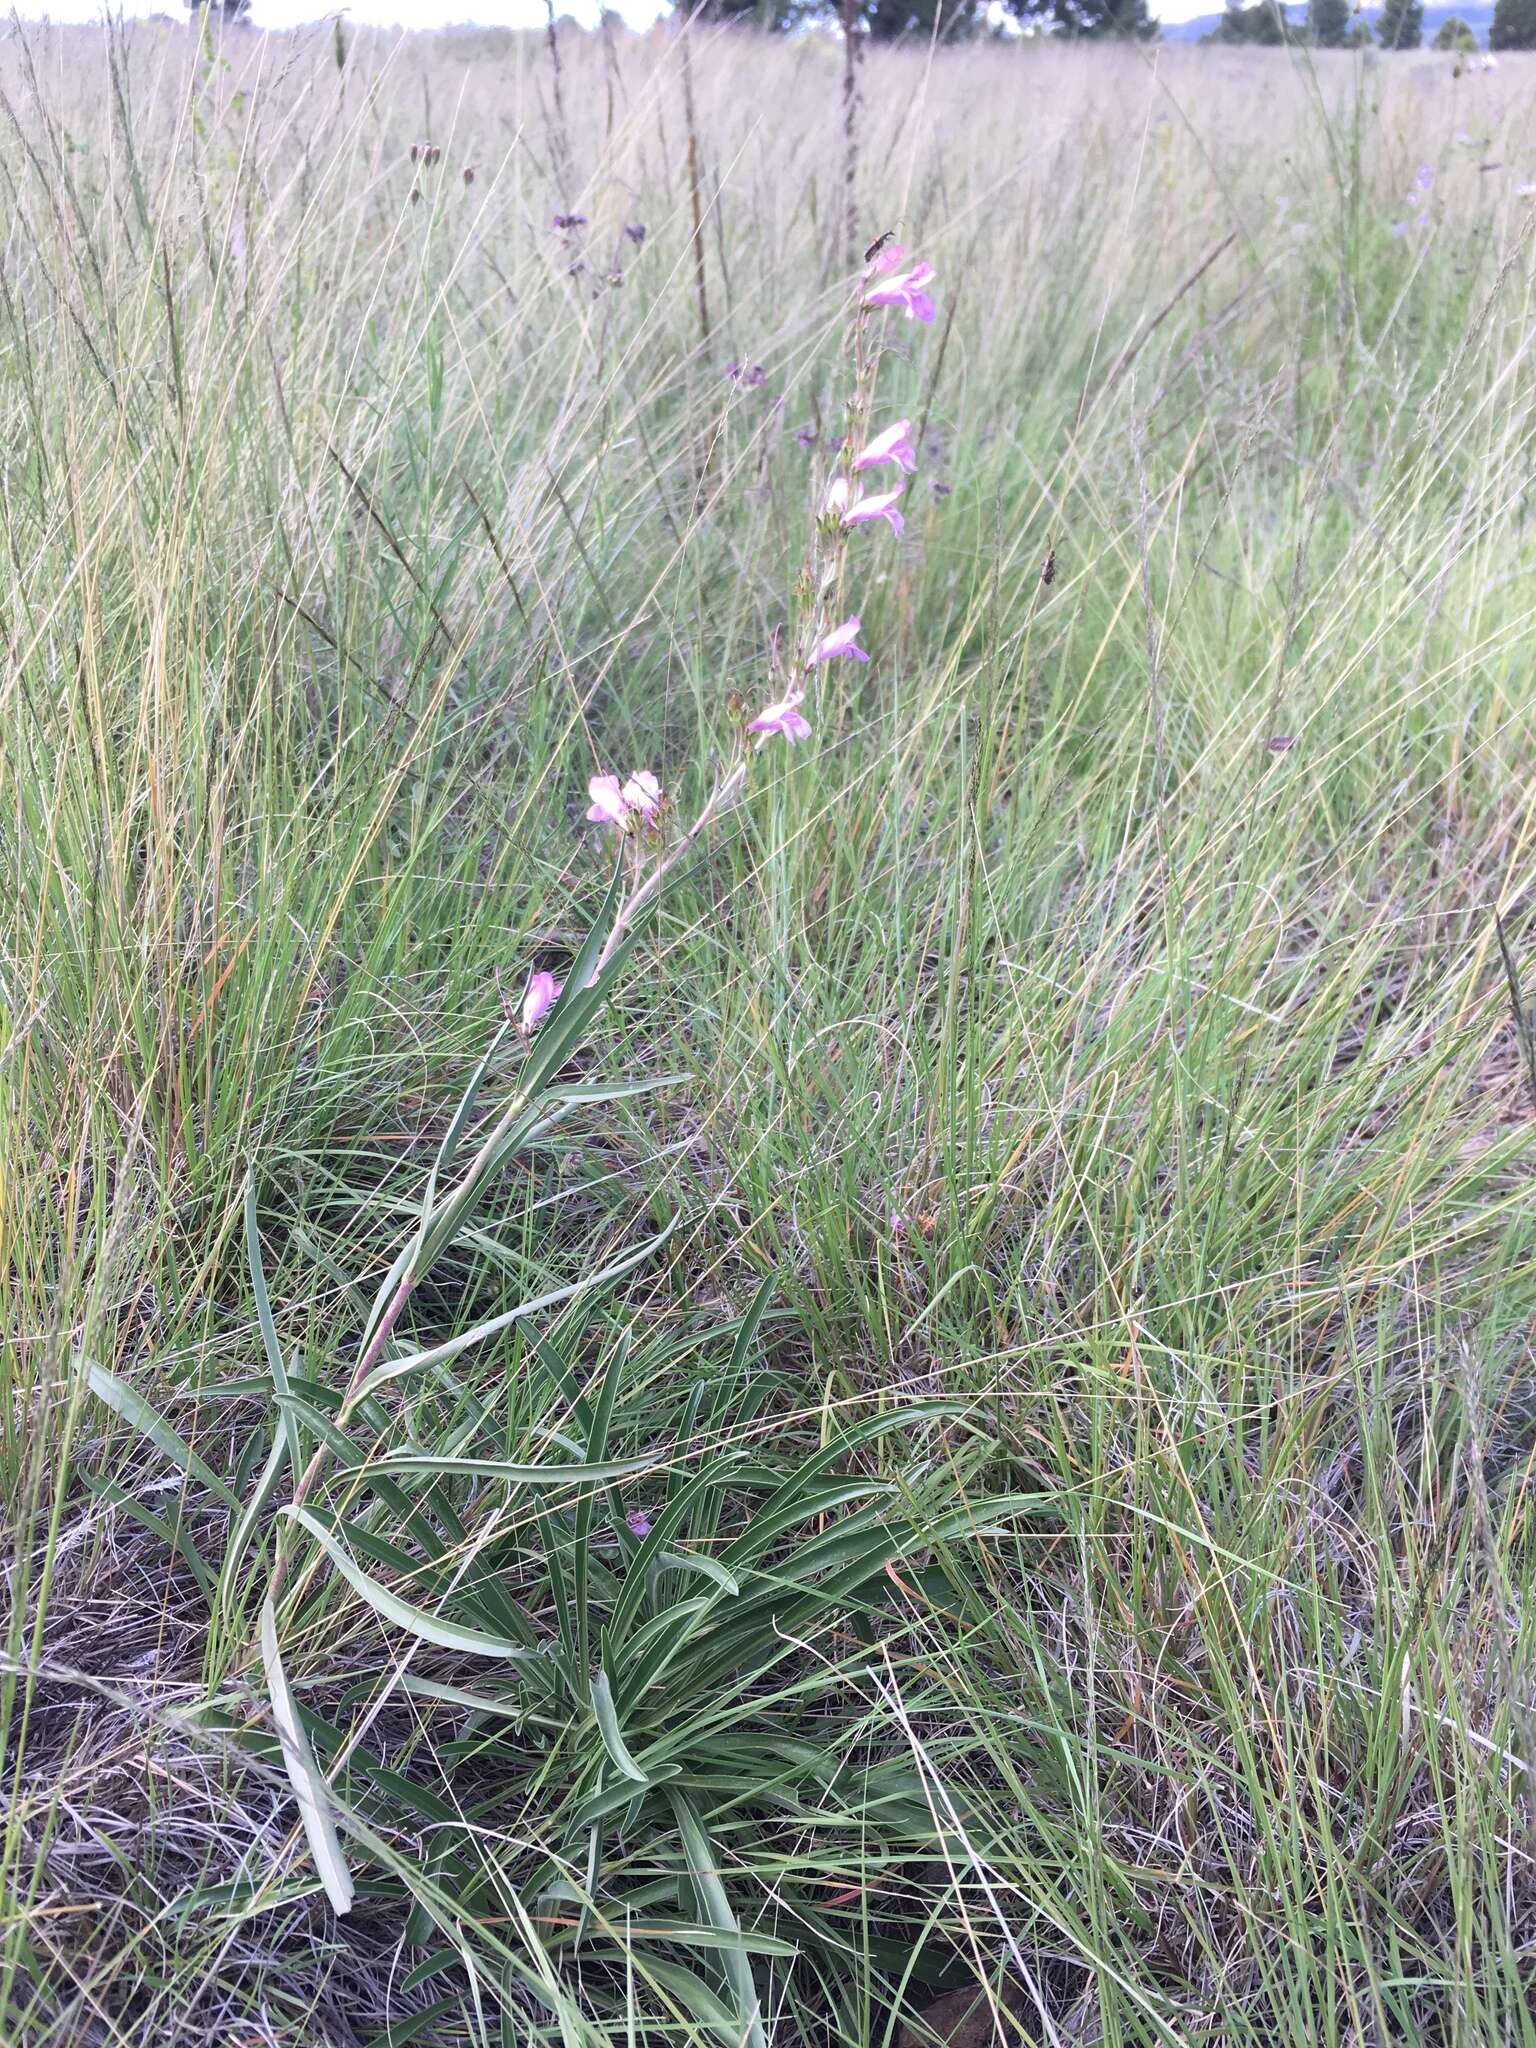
column 891, row 446
column 543, row 993
column 898, row 1223
column 636, row 232
column 564, row 222
column 1423, row 179
column 806, row 436
column 639, row 1522
column 1400, row 227
column 750, row 376
column 905, row 289
column 843, row 639
column 784, row 717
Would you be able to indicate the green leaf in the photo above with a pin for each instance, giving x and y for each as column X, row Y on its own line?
column 131, row 1405
column 392, row 1368
column 704, row 1869
column 427, row 1628
column 310, row 1789
column 608, row 1727
column 274, row 1351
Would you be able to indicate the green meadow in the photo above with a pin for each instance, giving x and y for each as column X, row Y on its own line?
column 940, row 1451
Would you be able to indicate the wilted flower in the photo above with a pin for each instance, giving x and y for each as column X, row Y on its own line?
column 891, row 446
column 785, row 717
column 843, row 639
column 543, row 992
column 905, row 289
column 882, row 505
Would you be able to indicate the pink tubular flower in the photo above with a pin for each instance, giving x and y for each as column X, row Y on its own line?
column 786, row 717
column 891, row 446
column 642, row 792
column 616, row 803
column 881, row 506
column 543, row 993
column 608, row 806
column 905, row 289
column 862, row 510
column 843, row 639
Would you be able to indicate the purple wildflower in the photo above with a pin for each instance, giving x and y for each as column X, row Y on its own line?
column 616, row 803
column 639, row 1521
column 636, row 231
column 565, row 221
column 784, row 717
column 843, row 639
column 905, row 289
column 543, row 993
column 806, row 436
column 642, row 792
column 891, row 446
column 882, row 505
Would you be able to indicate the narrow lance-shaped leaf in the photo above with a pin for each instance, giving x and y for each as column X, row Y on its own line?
column 310, row 1789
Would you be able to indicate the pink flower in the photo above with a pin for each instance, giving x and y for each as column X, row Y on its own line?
column 843, row 639
column 891, row 257
column 786, row 717
column 543, row 992
column 881, row 506
column 616, row 803
column 642, row 792
column 905, row 289
column 639, row 1521
column 898, row 1223
column 891, row 446
column 608, row 806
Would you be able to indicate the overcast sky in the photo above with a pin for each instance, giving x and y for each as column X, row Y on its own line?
column 434, row 13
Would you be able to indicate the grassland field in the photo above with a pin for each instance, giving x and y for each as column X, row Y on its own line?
column 956, row 1465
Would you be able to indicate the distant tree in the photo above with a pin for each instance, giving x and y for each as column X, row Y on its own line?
column 889, row 20
column 1454, row 34
column 1263, row 22
column 1329, row 23
column 1104, row 19
column 1514, row 25
column 223, row 10
column 1360, row 35
column 1400, row 25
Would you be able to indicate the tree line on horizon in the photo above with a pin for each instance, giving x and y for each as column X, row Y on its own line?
column 1328, row 24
